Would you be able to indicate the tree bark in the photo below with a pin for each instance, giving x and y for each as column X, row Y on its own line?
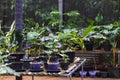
column 18, row 20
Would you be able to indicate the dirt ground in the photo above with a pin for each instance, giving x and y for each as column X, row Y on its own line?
column 52, row 78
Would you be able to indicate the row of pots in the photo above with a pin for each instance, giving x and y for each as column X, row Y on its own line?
column 26, row 65
column 91, row 73
column 112, row 73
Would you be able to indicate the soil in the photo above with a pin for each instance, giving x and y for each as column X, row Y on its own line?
column 53, row 78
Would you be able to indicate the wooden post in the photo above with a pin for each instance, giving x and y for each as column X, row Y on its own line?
column 60, row 7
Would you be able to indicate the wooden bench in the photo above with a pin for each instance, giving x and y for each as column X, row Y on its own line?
column 93, row 58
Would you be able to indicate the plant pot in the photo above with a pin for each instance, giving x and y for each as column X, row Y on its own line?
column 52, row 66
column 71, row 56
column 106, row 46
column 104, row 74
column 26, row 63
column 64, row 65
column 35, row 65
column 18, row 56
column 17, row 65
column 89, row 46
column 114, row 73
column 11, row 59
column 83, row 73
column 92, row 73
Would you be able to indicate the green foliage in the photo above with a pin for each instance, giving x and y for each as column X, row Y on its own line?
column 7, row 70
column 8, row 41
column 32, row 36
column 106, row 58
column 73, row 19
column 4, row 69
column 99, row 17
column 54, row 20
column 90, row 21
column 64, row 56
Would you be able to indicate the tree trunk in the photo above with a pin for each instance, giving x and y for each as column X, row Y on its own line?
column 18, row 20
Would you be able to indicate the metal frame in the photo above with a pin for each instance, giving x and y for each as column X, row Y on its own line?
column 79, row 64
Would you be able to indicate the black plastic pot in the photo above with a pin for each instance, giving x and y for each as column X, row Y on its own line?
column 71, row 56
column 64, row 65
column 106, row 46
column 114, row 73
column 11, row 59
column 89, row 46
column 17, row 56
column 18, row 66
column 104, row 74
column 26, row 64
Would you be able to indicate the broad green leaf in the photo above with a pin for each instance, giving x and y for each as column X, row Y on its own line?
column 90, row 21
column 99, row 17
column 86, row 31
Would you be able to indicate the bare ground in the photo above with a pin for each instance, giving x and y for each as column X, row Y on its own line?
column 53, row 78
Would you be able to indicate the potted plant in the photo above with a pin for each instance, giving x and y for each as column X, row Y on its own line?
column 92, row 73
column 83, row 73
column 33, row 45
column 111, row 32
column 68, row 46
column 52, row 45
column 8, row 45
column 65, row 61
column 79, row 38
column 112, row 39
column 96, row 37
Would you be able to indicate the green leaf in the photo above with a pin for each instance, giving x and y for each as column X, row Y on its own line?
column 99, row 17
column 32, row 36
column 73, row 13
column 4, row 70
column 86, row 31
column 90, row 21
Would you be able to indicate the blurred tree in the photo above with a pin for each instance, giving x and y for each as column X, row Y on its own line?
column 18, row 20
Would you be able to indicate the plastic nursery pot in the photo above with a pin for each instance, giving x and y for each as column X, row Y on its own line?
column 64, row 66
column 52, row 66
column 16, row 65
column 83, row 73
column 92, row 73
column 35, row 65
column 104, row 74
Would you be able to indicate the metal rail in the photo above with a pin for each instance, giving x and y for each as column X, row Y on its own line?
column 78, row 64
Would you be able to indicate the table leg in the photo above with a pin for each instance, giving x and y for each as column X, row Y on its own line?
column 19, row 77
column 32, row 77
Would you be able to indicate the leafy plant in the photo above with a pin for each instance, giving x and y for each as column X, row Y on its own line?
column 32, row 39
column 8, row 42
column 72, row 19
column 108, row 33
column 72, row 37
column 53, row 46
column 99, row 17
column 4, row 69
column 79, row 38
